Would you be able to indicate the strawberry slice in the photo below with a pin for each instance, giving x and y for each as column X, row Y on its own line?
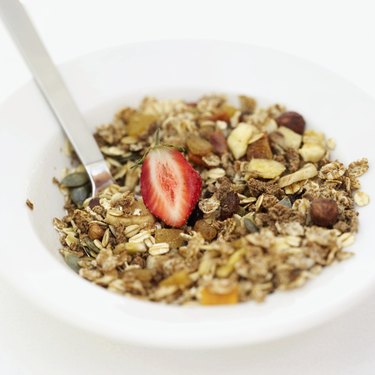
column 170, row 186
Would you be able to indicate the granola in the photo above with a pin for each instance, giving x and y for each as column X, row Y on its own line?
column 274, row 210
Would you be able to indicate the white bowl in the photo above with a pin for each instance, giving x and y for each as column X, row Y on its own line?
column 31, row 144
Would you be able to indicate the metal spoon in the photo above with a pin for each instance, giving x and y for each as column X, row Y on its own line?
column 55, row 92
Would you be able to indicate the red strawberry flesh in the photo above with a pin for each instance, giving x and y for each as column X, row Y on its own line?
column 170, row 186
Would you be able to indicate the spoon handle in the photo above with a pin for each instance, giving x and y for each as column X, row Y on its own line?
column 54, row 90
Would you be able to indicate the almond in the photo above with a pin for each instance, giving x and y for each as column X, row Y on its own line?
column 259, row 149
column 312, row 152
column 265, row 168
column 307, row 171
column 239, row 138
column 286, row 138
column 247, row 103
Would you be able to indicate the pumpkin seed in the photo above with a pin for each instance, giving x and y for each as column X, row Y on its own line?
column 250, row 226
column 286, row 202
column 91, row 246
column 72, row 261
column 75, row 179
column 80, row 194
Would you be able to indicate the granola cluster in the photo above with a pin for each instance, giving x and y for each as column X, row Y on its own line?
column 274, row 209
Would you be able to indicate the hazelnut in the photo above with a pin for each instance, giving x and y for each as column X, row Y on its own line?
column 324, row 212
column 292, row 120
column 96, row 232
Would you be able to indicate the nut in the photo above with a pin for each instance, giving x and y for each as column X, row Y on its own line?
column 218, row 142
column 239, row 138
column 293, row 121
column 324, row 212
column 307, row 171
column 260, row 149
column 312, row 152
column 312, row 136
column 265, row 168
column 247, row 103
column 96, row 232
column 286, row 138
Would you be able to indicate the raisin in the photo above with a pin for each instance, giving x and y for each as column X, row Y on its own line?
column 207, row 231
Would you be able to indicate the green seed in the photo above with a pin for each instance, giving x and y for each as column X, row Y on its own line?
column 72, row 261
column 91, row 246
column 286, row 202
column 80, row 194
column 75, row 179
column 250, row 226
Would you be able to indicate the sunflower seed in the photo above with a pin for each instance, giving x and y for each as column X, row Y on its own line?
column 105, row 239
column 250, row 226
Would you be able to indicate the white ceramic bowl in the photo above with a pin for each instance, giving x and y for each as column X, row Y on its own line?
column 30, row 150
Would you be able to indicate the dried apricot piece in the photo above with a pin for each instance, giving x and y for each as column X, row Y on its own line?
column 209, row 297
column 179, row 278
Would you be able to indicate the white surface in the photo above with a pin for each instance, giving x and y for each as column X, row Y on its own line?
column 336, row 35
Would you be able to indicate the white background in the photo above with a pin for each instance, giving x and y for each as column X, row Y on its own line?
column 336, row 34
